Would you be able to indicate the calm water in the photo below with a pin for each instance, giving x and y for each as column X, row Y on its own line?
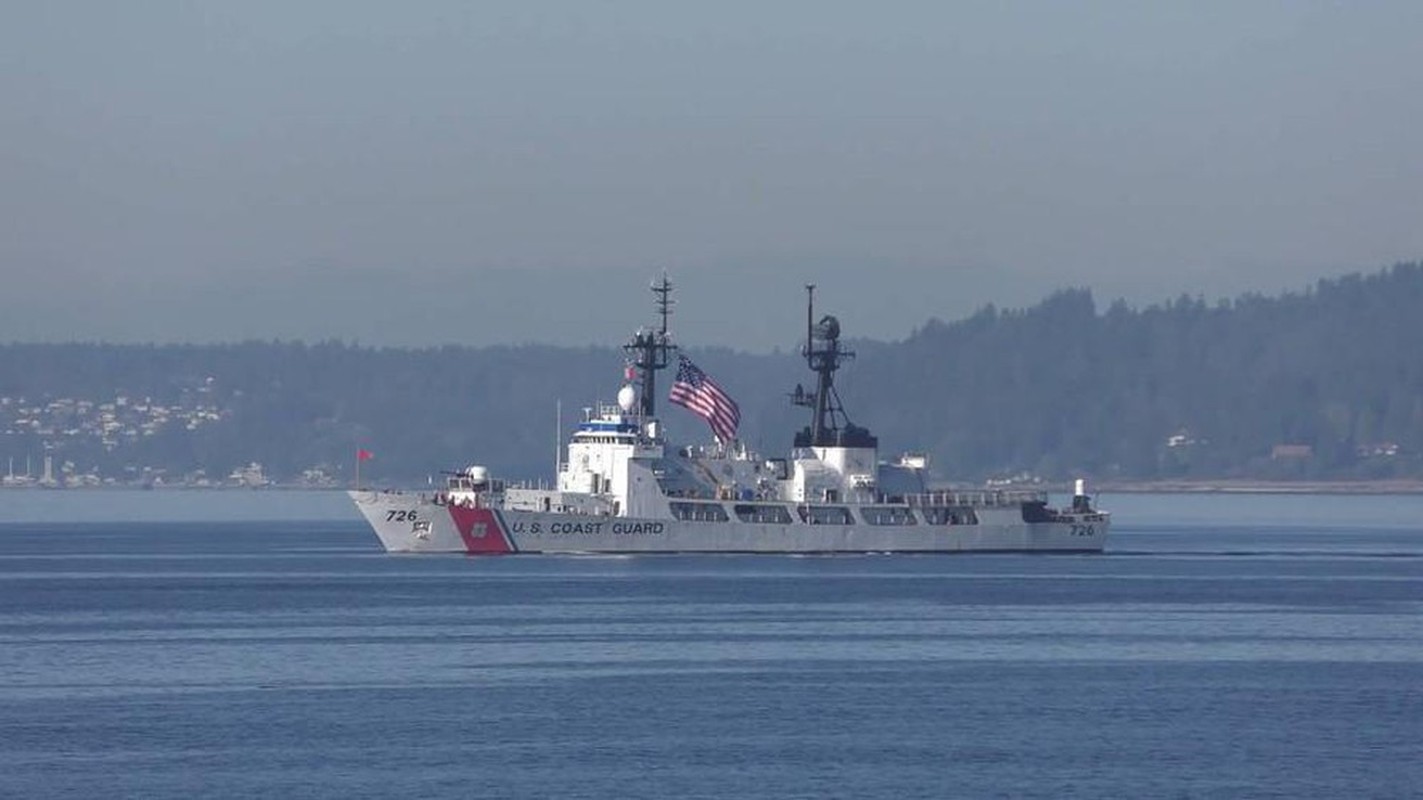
column 260, row 644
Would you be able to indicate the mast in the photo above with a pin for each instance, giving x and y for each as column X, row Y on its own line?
column 823, row 354
column 648, row 350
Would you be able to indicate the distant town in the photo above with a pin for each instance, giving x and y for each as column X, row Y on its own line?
column 61, row 425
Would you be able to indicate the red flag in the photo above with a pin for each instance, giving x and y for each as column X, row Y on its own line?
column 363, row 454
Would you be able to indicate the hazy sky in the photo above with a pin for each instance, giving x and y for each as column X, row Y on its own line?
column 481, row 172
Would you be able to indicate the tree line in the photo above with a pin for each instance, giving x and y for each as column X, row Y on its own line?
column 1316, row 384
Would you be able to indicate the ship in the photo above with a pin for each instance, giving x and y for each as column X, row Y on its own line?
column 624, row 489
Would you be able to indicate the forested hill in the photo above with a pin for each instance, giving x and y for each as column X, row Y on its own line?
column 1323, row 383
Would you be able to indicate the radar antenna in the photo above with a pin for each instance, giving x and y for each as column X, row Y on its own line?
column 829, row 425
column 647, row 351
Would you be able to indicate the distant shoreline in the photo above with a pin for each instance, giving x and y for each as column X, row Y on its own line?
column 1247, row 486
column 174, row 487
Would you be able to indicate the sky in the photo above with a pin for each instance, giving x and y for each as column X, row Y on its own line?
column 507, row 172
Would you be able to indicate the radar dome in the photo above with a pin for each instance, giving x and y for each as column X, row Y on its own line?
column 627, row 398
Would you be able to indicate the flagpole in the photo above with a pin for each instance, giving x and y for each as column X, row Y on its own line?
column 362, row 454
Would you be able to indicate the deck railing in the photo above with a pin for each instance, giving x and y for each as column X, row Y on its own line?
column 977, row 497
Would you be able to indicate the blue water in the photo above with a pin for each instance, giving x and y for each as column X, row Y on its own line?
column 260, row 644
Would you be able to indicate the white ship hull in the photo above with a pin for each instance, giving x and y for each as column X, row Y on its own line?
column 623, row 488
column 415, row 523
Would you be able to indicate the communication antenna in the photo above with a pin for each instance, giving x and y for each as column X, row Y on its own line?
column 664, row 301
column 648, row 350
column 829, row 425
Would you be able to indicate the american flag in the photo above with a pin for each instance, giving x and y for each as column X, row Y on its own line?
column 700, row 395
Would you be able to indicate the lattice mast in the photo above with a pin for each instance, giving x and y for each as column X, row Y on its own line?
column 648, row 350
column 823, row 354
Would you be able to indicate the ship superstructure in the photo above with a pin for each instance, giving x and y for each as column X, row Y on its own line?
column 623, row 488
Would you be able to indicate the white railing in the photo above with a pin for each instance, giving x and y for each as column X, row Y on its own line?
column 976, row 497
